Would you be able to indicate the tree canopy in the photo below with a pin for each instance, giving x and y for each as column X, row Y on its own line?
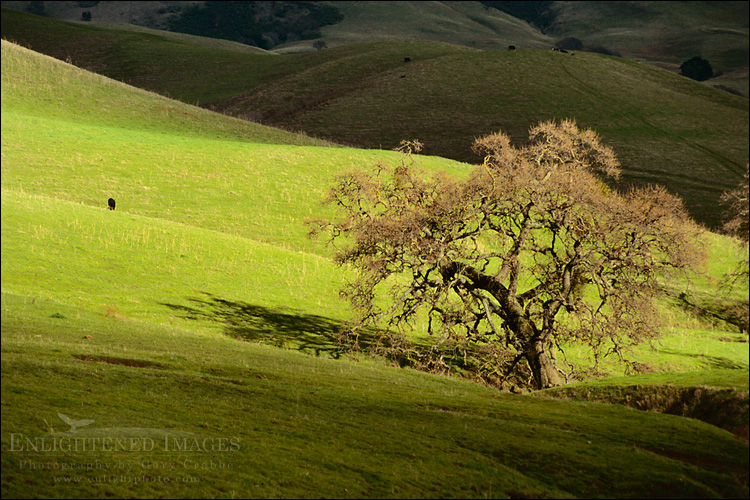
column 528, row 254
column 697, row 68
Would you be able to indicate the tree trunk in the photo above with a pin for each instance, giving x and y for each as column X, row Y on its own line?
column 545, row 374
column 544, row 371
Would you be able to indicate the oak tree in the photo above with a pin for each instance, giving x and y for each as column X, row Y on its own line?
column 530, row 252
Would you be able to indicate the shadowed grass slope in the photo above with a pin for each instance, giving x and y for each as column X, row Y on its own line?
column 666, row 32
column 168, row 65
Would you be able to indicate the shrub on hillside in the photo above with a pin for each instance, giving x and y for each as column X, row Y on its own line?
column 36, row 8
column 697, row 68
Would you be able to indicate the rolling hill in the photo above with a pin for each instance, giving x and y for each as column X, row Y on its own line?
column 665, row 128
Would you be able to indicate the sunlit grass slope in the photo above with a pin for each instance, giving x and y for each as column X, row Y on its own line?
column 138, row 320
column 41, row 87
column 72, row 139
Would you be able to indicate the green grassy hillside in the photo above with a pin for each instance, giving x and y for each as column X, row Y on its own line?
column 665, row 128
column 160, row 324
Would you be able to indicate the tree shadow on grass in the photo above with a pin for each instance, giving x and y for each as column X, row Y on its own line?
column 289, row 329
column 724, row 311
column 311, row 333
column 710, row 362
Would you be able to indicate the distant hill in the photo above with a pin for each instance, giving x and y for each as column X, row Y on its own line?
column 663, row 32
column 461, row 23
column 670, row 32
column 151, row 14
column 291, row 26
column 660, row 33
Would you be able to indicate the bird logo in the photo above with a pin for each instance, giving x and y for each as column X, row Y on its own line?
column 74, row 424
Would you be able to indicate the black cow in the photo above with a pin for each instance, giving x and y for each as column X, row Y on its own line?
column 407, row 59
column 111, row 203
column 511, row 47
